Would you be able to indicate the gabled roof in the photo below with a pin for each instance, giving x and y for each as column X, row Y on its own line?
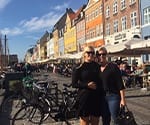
column 61, row 22
column 71, row 15
column 30, row 50
column 79, row 11
column 44, row 38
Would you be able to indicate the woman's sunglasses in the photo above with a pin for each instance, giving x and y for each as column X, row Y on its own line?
column 90, row 52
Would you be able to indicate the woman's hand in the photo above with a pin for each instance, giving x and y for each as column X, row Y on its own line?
column 92, row 85
column 122, row 103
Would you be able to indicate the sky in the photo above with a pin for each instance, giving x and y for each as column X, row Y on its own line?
column 24, row 22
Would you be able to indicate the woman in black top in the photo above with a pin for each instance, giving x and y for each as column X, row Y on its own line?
column 86, row 78
column 112, row 83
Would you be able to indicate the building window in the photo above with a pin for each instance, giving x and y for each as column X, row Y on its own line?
column 93, row 15
column 108, row 29
column 65, row 28
column 124, row 23
column 101, row 29
column 97, row 30
column 101, row 8
column 147, row 16
column 107, row 11
column 123, row 4
column 132, row 2
column 96, row 12
column 116, row 26
column 133, row 19
column 147, row 37
column 115, row 7
column 87, row 18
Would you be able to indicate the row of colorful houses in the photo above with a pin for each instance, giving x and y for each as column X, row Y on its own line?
column 97, row 23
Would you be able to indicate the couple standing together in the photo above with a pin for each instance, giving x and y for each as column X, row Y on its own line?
column 101, row 89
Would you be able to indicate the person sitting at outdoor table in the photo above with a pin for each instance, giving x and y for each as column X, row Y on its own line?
column 124, row 73
column 145, row 77
column 137, row 78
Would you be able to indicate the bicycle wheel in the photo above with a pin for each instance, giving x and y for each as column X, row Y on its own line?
column 28, row 115
column 11, row 105
column 70, row 113
column 57, row 95
column 46, row 107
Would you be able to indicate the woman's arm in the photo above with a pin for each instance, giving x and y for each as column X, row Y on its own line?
column 122, row 94
column 76, row 80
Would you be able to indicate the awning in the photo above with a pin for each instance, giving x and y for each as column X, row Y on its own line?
column 116, row 47
column 125, row 53
column 71, row 56
column 136, row 52
column 132, row 48
column 65, row 56
column 77, row 55
column 140, row 44
column 42, row 61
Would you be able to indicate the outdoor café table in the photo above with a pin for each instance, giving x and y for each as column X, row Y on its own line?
column 145, row 80
column 133, row 76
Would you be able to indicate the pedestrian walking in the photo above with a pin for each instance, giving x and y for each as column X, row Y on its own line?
column 90, row 95
column 112, row 83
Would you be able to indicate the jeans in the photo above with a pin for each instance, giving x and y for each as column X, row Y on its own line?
column 106, row 117
column 113, row 101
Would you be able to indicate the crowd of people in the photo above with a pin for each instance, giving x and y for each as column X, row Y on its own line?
column 64, row 69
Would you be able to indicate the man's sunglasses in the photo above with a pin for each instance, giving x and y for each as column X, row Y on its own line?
column 90, row 52
column 101, row 54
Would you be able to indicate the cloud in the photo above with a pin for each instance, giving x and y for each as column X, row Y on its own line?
column 61, row 7
column 39, row 23
column 12, row 32
column 32, row 37
column 36, row 24
column 4, row 3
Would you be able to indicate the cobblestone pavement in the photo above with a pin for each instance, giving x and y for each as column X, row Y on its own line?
column 137, row 100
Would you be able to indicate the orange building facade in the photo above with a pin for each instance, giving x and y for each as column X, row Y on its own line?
column 94, row 23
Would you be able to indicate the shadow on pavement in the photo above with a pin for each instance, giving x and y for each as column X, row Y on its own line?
column 136, row 96
column 4, row 117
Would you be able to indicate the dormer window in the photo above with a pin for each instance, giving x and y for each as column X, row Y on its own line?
column 81, row 14
column 72, row 22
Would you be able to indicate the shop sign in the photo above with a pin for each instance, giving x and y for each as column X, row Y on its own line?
column 120, row 36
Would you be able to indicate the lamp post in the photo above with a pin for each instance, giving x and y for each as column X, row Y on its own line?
column 1, row 53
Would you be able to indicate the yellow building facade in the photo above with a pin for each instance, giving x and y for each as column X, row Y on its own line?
column 70, row 42
column 55, row 40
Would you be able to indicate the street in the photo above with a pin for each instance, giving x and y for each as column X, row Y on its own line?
column 137, row 100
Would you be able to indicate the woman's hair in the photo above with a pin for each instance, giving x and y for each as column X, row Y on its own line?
column 103, row 49
column 85, row 50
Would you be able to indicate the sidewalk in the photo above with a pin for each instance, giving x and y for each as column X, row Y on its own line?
column 135, row 104
column 135, row 92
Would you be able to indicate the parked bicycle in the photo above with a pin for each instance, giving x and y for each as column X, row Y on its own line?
column 50, row 105
column 18, row 98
